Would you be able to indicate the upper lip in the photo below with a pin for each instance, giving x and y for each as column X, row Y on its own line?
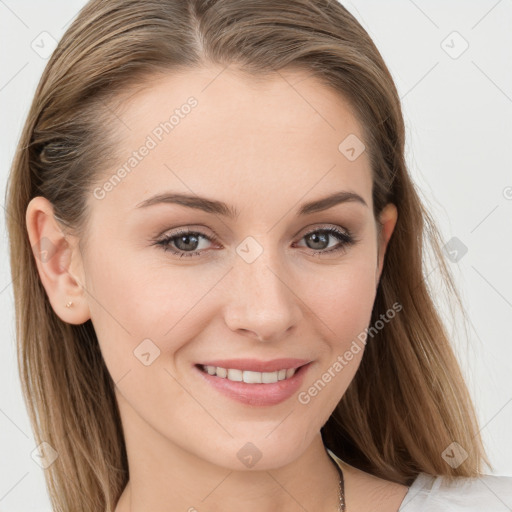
column 257, row 365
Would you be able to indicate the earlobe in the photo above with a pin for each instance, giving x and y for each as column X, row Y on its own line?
column 387, row 219
column 53, row 254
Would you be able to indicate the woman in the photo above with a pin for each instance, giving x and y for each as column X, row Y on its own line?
column 221, row 301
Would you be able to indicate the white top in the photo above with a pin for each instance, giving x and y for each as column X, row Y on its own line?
column 487, row 493
column 429, row 493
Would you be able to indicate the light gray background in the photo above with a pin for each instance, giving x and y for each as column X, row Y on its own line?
column 458, row 111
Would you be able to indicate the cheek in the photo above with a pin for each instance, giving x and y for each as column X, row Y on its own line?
column 343, row 297
column 132, row 302
column 341, row 305
column 123, row 311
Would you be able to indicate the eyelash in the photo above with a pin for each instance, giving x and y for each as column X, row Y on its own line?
column 346, row 239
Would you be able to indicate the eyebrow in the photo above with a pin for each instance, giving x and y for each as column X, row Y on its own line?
column 220, row 208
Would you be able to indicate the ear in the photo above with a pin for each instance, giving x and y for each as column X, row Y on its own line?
column 58, row 261
column 386, row 225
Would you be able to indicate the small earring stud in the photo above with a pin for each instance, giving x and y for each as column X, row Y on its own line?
column 69, row 304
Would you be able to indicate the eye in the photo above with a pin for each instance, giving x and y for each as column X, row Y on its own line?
column 188, row 243
column 318, row 238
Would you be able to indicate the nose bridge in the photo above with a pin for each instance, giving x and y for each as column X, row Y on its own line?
column 262, row 301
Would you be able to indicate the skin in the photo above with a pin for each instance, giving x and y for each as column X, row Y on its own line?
column 263, row 146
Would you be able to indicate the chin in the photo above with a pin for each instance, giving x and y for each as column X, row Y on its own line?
column 255, row 453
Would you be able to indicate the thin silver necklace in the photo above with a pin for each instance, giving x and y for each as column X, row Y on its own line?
column 341, row 492
column 341, row 488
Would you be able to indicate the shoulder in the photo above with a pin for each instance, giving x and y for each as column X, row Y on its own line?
column 487, row 492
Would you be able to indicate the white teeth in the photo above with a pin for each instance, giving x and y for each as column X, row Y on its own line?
column 236, row 375
column 290, row 372
column 248, row 376
column 252, row 377
column 269, row 377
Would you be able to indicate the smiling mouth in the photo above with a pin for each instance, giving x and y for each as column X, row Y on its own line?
column 247, row 376
column 254, row 388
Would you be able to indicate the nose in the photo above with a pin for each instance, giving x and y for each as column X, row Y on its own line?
column 263, row 304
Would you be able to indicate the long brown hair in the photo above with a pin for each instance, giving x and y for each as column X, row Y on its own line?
column 408, row 401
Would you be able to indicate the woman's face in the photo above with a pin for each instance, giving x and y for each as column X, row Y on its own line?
column 255, row 279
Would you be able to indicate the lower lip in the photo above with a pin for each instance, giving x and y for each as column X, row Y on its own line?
column 257, row 394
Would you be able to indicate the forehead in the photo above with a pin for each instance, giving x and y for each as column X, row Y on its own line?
column 221, row 133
